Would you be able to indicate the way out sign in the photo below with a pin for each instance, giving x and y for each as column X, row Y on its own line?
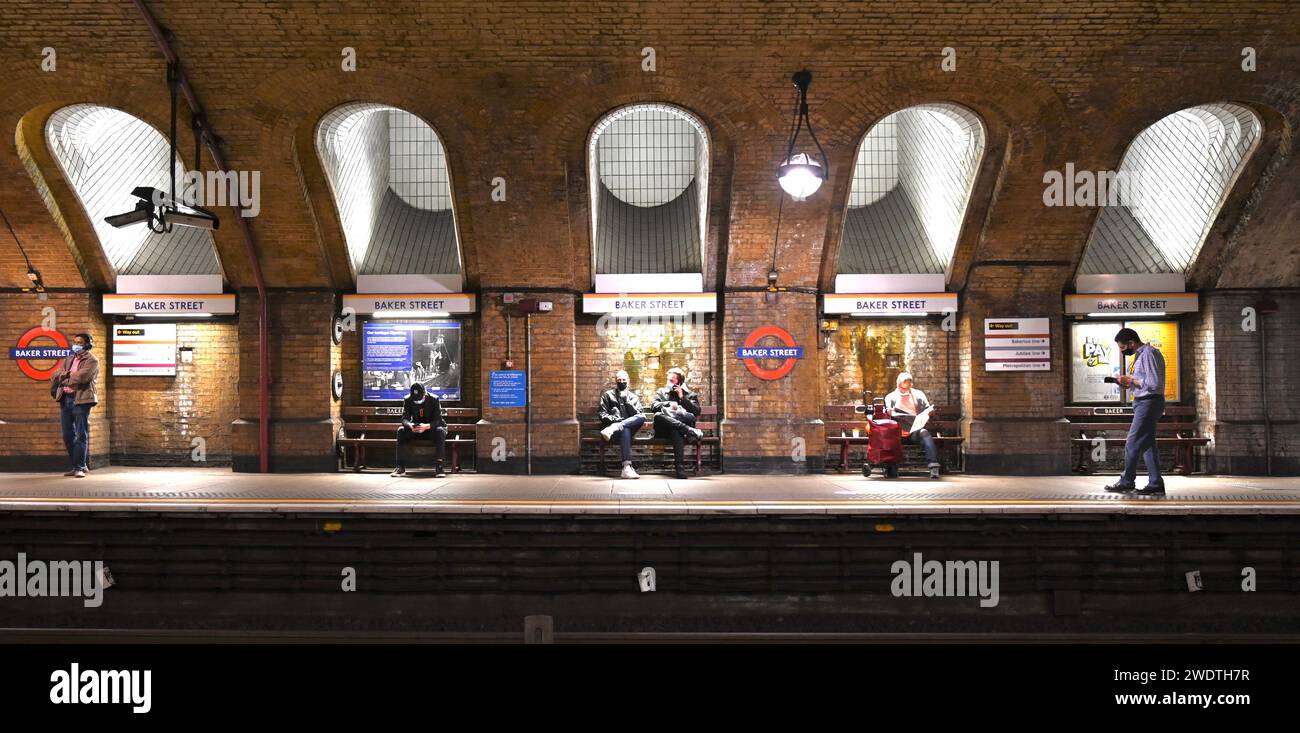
column 1017, row 344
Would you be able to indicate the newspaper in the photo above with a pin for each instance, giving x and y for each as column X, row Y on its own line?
column 913, row 423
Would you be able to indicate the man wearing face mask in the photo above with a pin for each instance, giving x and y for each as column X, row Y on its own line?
column 620, row 413
column 676, row 407
column 74, row 385
column 1147, row 388
column 421, row 420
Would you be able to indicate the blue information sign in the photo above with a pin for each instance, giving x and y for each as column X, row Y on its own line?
column 508, row 389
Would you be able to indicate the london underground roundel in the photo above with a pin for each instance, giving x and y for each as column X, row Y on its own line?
column 25, row 353
column 771, row 361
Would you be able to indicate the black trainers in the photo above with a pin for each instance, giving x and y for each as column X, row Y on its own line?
column 1153, row 489
column 1120, row 488
column 399, row 471
column 439, row 473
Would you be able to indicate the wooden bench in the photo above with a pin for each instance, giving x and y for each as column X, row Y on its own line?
column 847, row 426
column 1110, row 425
column 375, row 427
column 644, row 443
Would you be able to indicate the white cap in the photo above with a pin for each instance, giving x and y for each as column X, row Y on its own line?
column 902, row 376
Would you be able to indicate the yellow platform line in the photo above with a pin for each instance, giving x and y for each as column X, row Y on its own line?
column 1182, row 503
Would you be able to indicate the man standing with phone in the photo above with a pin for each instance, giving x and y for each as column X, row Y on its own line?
column 74, row 387
column 421, row 420
column 1147, row 387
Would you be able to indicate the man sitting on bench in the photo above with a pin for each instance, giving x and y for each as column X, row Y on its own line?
column 620, row 412
column 905, row 405
column 676, row 408
column 421, row 420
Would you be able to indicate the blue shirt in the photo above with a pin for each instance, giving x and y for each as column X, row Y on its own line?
column 1149, row 371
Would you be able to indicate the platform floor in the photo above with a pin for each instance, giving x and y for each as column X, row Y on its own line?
column 214, row 489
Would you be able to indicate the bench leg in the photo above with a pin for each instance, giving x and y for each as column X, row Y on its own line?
column 698, row 447
column 600, row 464
column 361, row 458
column 844, row 457
column 1182, row 464
column 455, row 458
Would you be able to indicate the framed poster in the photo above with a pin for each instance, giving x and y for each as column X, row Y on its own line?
column 144, row 350
column 396, row 355
column 1164, row 336
column 1093, row 357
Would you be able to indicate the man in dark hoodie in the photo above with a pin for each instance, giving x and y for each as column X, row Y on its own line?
column 676, row 408
column 421, row 420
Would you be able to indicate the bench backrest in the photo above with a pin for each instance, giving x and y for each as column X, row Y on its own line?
column 387, row 419
column 847, row 418
column 1118, row 418
column 707, row 421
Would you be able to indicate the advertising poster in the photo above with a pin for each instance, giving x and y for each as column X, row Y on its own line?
column 144, row 350
column 1093, row 357
column 1164, row 336
column 396, row 355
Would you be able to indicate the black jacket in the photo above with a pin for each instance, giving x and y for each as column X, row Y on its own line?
column 618, row 406
column 428, row 412
column 668, row 395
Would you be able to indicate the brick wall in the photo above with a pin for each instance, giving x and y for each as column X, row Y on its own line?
column 647, row 352
column 30, row 433
column 859, row 355
column 303, row 422
column 772, row 425
column 554, row 389
column 1236, row 389
column 155, row 420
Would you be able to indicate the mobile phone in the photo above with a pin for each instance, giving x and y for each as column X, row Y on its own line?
column 1110, row 380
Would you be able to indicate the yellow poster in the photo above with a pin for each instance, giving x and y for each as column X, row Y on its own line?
column 1164, row 336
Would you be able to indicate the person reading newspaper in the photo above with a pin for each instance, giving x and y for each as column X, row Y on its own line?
column 910, row 408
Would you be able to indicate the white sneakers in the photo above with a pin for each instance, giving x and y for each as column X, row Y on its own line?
column 398, row 472
column 609, row 431
column 696, row 433
column 629, row 472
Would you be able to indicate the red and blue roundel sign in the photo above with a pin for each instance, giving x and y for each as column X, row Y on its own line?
column 24, row 352
column 785, row 351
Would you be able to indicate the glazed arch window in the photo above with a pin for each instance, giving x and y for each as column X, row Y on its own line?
column 388, row 172
column 911, row 184
column 649, row 174
column 104, row 154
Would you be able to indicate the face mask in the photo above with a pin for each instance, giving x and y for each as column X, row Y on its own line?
column 1129, row 352
column 620, row 386
column 77, row 348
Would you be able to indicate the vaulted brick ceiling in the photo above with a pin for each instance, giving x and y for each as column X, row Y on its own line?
column 513, row 90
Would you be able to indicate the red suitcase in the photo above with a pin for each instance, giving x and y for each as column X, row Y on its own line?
column 884, row 444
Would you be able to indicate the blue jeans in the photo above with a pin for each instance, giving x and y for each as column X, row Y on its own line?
column 1141, row 441
column 926, row 440
column 76, row 431
column 630, row 426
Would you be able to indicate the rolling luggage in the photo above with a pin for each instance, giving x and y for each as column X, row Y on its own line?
column 884, row 442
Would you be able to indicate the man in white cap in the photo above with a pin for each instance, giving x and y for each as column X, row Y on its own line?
column 904, row 405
